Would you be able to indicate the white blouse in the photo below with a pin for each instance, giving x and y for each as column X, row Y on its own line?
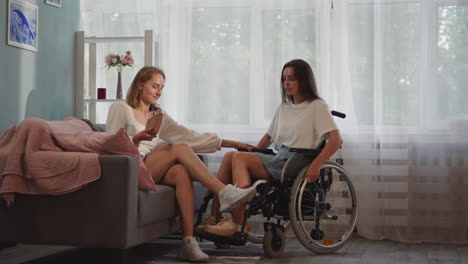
column 121, row 116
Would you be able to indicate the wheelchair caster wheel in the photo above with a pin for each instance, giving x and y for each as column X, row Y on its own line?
column 222, row 246
column 274, row 242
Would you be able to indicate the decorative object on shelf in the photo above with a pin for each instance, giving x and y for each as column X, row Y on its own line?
column 56, row 3
column 119, row 61
column 101, row 93
column 119, row 85
column 23, row 25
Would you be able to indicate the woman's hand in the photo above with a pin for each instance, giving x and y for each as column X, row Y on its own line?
column 313, row 172
column 235, row 144
column 333, row 143
column 244, row 145
column 143, row 135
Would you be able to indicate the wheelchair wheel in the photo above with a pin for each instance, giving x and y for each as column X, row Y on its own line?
column 274, row 242
column 323, row 213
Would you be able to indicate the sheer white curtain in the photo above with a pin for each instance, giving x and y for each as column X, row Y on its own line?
column 396, row 67
column 402, row 66
column 224, row 59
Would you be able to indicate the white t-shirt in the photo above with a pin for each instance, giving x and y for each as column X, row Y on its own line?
column 121, row 116
column 301, row 125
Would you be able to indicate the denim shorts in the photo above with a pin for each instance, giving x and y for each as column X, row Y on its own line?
column 274, row 163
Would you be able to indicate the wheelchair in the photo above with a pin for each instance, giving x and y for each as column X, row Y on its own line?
column 322, row 213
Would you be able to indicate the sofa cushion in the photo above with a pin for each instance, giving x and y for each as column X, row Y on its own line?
column 94, row 127
column 154, row 206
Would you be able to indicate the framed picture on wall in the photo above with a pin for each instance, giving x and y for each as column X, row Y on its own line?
column 57, row 3
column 23, row 23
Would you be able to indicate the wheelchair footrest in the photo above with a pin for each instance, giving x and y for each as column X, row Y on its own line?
column 237, row 239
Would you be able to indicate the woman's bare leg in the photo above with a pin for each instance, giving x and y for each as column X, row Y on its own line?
column 159, row 162
column 244, row 165
column 225, row 176
column 178, row 177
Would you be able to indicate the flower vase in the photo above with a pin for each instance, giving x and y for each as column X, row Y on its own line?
column 119, row 85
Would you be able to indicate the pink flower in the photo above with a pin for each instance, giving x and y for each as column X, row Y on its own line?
column 119, row 61
column 109, row 58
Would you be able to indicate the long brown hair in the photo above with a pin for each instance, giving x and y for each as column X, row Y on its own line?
column 143, row 75
column 305, row 76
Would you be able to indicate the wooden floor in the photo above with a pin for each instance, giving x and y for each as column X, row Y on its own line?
column 358, row 250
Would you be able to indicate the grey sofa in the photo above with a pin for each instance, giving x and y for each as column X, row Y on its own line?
column 108, row 213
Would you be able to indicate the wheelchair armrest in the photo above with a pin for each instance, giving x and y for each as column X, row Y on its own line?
column 304, row 150
column 260, row 150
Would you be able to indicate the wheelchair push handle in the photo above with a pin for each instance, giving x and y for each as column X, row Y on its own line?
column 338, row 114
column 260, row 150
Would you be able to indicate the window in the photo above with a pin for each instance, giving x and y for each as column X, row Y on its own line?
column 237, row 51
column 220, row 66
column 452, row 62
column 408, row 62
column 294, row 29
column 384, row 62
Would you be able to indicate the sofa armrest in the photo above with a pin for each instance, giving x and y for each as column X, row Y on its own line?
column 117, row 190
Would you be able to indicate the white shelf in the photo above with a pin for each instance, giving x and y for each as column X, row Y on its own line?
column 103, row 100
column 114, row 39
column 91, row 41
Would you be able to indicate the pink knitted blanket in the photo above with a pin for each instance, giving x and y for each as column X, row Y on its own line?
column 58, row 157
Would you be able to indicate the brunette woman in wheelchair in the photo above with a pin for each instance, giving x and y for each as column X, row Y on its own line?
column 298, row 185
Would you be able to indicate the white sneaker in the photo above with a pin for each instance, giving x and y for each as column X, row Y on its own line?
column 230, row 196
column 189, row 250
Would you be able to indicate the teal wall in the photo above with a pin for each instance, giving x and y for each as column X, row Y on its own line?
column 39, row 84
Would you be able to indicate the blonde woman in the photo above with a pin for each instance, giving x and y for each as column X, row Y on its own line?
column 176, row 164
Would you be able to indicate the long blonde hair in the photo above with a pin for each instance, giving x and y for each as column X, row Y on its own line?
column 143, row 75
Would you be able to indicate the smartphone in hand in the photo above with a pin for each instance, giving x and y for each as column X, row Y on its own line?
column 154, row 123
